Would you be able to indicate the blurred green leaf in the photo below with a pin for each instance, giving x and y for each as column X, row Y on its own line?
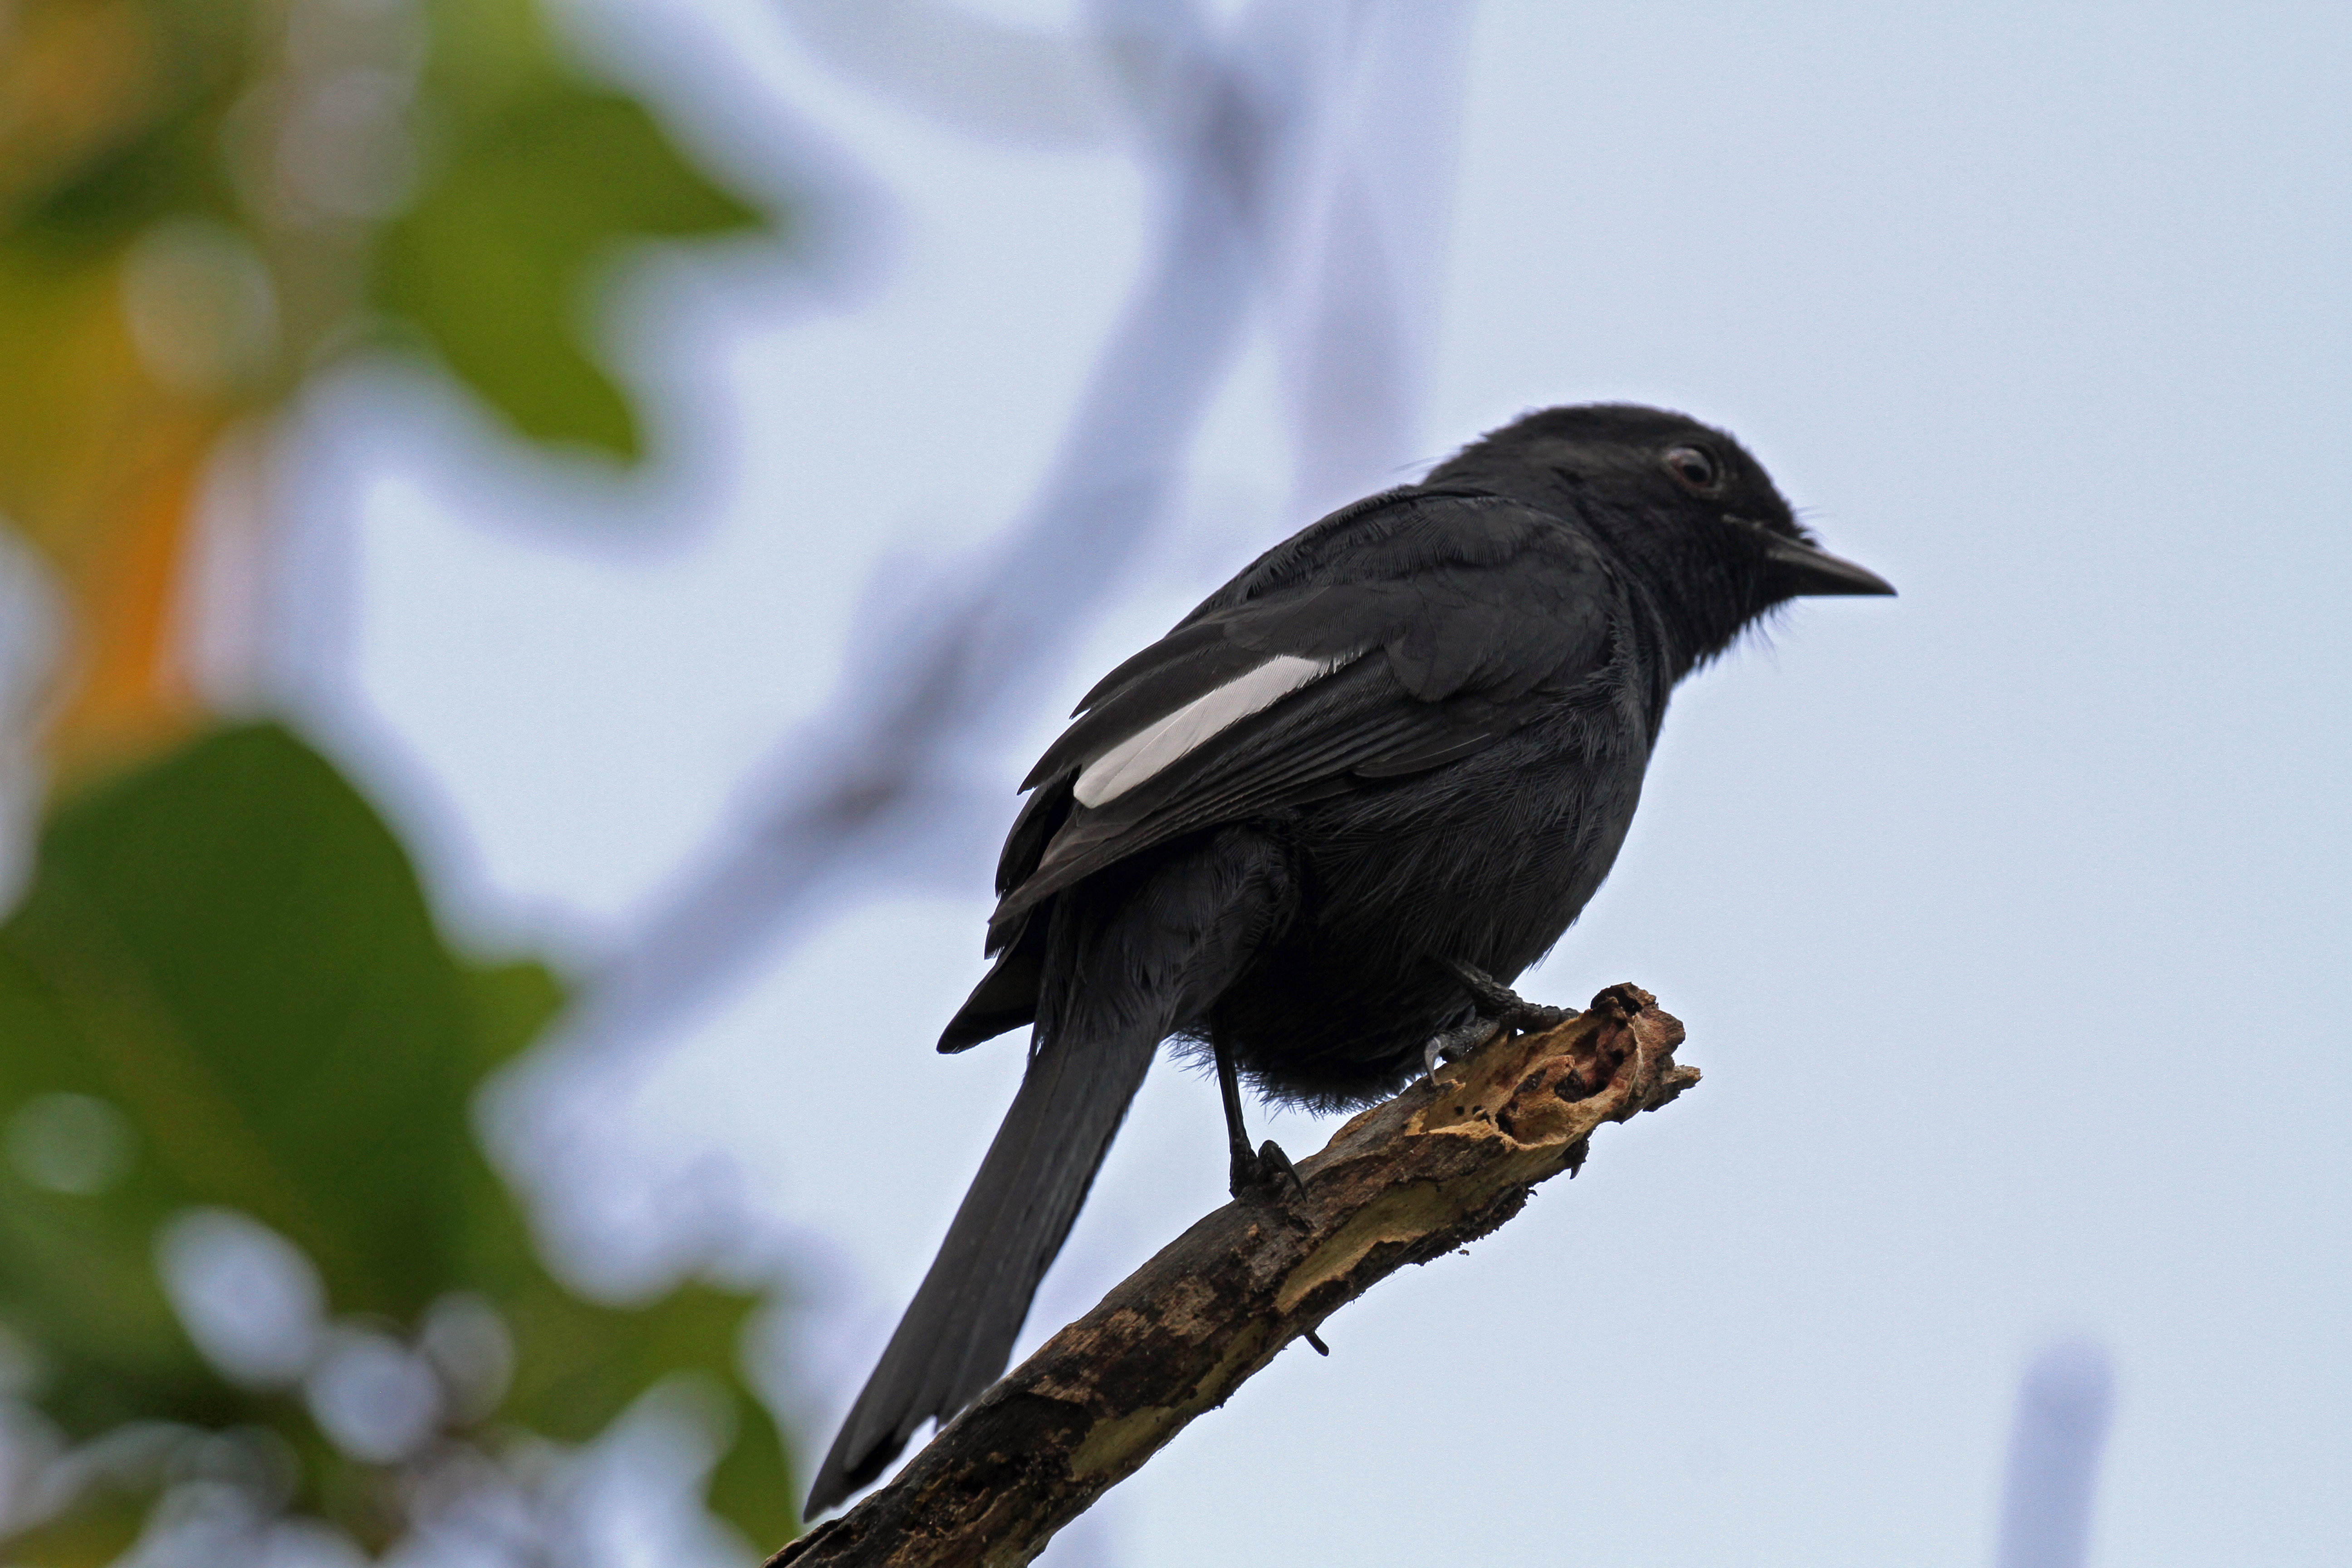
column 536, row 180
column 580, row 1364
column 205, row 202
column 244, row 945
column 511, row 1004
column 111, row 115
column 231, row 947
column 90, row 1536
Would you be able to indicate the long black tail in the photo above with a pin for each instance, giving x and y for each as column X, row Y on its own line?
column 1125, row 967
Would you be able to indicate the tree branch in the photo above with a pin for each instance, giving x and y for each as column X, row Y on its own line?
column 1443, row 1164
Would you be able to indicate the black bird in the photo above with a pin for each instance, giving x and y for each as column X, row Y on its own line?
column 1393, row 758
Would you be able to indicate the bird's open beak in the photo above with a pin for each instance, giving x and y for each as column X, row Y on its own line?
column 1818, row 572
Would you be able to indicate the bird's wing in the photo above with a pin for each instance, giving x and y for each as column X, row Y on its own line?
column 1400, row 634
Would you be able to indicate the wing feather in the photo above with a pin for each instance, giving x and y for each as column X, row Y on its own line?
column 1445, row 620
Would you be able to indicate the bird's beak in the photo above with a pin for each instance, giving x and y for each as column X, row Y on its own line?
column 1818, row 572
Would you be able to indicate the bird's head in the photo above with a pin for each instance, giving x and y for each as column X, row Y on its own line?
column 1680, row 502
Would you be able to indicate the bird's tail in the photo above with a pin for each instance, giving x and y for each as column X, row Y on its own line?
column 958, row 1333
column 1125, row 967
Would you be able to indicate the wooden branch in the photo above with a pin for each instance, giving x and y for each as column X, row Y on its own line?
column 1443, row 1164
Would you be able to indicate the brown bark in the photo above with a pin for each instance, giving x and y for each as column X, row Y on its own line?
column 1440, row 1165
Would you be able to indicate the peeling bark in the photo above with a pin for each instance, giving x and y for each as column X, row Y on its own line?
column 1443, row 1164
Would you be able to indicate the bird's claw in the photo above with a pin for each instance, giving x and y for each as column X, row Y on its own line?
column 1258, row 1174
column 1454, row 1043
column 1498, row 1004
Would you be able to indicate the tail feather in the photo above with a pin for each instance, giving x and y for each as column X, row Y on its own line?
column 1126, row 965
column 959, row 1332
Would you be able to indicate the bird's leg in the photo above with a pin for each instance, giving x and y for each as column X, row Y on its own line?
column 1498, row 1004
column 1253, row 1172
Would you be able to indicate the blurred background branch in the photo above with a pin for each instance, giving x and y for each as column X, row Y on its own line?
column 2051, row 1481
column 1285, row 188
column 1254, row 138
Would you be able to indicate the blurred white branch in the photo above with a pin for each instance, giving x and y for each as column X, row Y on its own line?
column 1300, row 157
column 2063, row 1405
column 965, row 69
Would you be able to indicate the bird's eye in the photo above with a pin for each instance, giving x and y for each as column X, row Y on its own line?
column 1694, row 466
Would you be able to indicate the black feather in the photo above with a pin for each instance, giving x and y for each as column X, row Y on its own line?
column 1502, row 642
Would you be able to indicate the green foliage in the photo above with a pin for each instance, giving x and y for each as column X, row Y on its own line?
column 120, row 123
column 537, row 176
column 204, row 203
column 224, row 990
column 230, row 951
column 127, row 119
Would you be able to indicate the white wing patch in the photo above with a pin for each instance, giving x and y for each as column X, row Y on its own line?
column 1158, row 745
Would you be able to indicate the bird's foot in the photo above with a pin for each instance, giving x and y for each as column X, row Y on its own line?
column 1264, row 1174
column 1498, row 1004
column 1452, row 1045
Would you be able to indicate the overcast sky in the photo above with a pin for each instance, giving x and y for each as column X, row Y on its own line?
column 2008, row 918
